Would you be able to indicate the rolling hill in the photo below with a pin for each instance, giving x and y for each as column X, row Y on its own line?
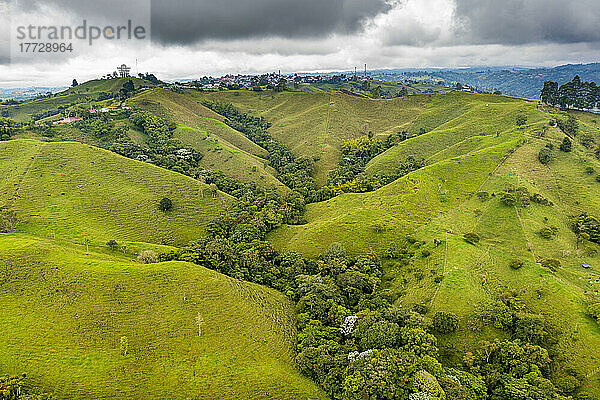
column 76, row 191
column 83, row 93
column 64, row 314
column 314, row 124
column 222, row 147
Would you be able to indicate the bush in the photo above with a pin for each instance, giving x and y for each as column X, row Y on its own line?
column 594, row 311
column 508, row 198
column 598, row 178
column 483, row 196
column 112, row 244
column 551, row 263
column 335, row 251
column 445, row 322
column 566, row 145
column 521, row 119
column 147, row 257
column 589, row 170
column 545, row 155
column 165, row 204
column 516, row 263
column 472, row 237
column 547, row 233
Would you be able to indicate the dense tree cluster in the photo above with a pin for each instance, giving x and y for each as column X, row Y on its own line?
column 7, row 128
column 574, row 94
column 588, row 227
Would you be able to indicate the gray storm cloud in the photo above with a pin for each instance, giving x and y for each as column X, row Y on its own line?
column 185, row 21
column 515, row 22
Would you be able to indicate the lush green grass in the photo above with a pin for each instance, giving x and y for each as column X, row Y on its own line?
column 451, row 121
column 223, row 148
column 373, row 220
column 474, row 274
column 83, row 93
column 64, row 312
column 75, row 191
column 314, row 124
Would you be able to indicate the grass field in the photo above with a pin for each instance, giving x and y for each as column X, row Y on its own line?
column 64, row 312
column 314, row 124
column 75, row 191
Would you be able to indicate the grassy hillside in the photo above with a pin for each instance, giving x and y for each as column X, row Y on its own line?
column 83, row 93
column 314, row 124
column 77, row 191
column 363, row 221
column 64, row 313
column 223, row 148
column 476, row 274
column 453, row 120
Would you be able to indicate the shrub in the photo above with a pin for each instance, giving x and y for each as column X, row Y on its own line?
column 594, row 311
column 425, row 253
column 335, row 251
column 566, row 145
column 165, row 204
column 521, row 119
column 112, row 244
column 483, row 196
column 589, row 170
column 508, row 198
column 445, row 322
column 516, row 263
column 420, row 308
column 472, row 237
column 547, row 233
column 545, row 155
column 598, row 178
column 147, row 257
column 551, row 263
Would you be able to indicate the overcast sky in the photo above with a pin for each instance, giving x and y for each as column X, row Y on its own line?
column 193, row 38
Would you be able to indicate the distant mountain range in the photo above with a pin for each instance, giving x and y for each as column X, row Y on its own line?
column 27, row 93
column 514, row 81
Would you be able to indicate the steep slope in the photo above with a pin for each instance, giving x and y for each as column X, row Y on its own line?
column 314, row 124
column 364, row 221
column 223, row 148
column 476, row 274
column 76, row 191
column 64, row 314
column 453, row 120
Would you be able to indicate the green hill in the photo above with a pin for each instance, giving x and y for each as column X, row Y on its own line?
column 365, row 221
column 222, row 147
column 64, row 313
column 83, row 93
column 451, row 121
column 75, row 191
column 314, row 124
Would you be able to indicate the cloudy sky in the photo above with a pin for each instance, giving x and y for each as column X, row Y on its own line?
column 192, row 38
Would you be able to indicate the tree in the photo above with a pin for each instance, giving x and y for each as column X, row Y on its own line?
column 545, row 155
column 445, row 322
column 129, row 86
column 521, row 119
column 112, row 244
column 147, row 257
column 566, row 145
column 75, row 83
column 165, row 204
column 471, row 237
column 124, row 342
column 335, row 251
column 86, row 241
